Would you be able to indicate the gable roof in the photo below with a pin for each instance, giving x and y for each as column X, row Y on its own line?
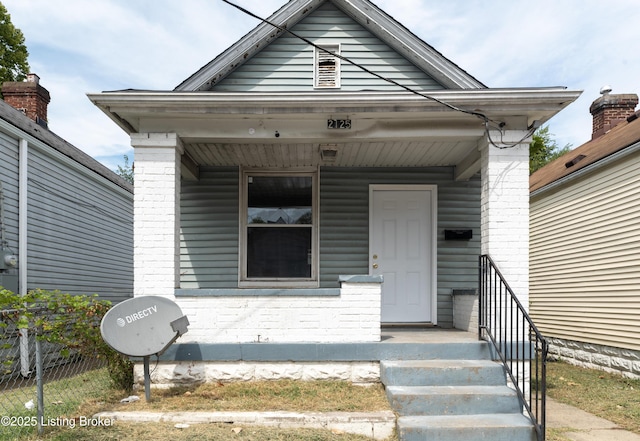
column 624, row 135
column 364, row 12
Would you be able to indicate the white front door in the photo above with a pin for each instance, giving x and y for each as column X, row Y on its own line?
column 402, row 250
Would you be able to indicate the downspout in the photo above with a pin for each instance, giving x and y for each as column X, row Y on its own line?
column 23, row 169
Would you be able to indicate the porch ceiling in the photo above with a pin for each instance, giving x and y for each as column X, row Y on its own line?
column 347, row 154
column 298, row 140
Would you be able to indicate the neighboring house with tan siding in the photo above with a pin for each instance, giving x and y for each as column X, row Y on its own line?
column 585, row 246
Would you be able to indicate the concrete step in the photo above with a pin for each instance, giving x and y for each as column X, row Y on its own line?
column 453, row 400
column 482, row 427
column 468, row 350
column 454, row 392
column 442, row 373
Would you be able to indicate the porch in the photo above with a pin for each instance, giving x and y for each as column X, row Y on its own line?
column 205, row 163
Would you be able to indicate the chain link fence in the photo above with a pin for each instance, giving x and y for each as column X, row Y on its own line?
column 44, row 385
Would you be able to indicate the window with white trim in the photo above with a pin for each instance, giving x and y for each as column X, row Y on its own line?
column 279, row 229
column 327, row 67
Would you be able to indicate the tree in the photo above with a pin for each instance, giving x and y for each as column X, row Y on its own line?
column 13, row 52
column 543, row 149
column 126, row 172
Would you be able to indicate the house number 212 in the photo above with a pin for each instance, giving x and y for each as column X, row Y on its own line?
column 339, row 124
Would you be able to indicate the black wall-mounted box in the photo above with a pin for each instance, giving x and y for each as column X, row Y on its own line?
column 458, row 234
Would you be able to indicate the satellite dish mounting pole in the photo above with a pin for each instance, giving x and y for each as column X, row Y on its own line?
column 147, row 379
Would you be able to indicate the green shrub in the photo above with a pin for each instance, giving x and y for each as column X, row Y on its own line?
column 72, row 321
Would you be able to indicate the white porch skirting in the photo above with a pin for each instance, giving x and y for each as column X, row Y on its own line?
column 167, row 375
column 288, row 316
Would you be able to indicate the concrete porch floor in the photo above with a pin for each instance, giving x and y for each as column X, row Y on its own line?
column 396, row 343
column 426, row 335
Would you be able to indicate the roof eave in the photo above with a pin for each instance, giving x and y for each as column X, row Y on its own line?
column 539, row 104
column 623, row 152
column 18, row 123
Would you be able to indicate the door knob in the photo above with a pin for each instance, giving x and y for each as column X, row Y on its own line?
column 375, row 266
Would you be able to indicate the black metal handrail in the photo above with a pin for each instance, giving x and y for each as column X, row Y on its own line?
column 505, row 323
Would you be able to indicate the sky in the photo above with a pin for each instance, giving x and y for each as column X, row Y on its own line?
column 86, row 46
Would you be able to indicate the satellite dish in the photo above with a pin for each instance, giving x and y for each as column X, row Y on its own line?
column 143, row 326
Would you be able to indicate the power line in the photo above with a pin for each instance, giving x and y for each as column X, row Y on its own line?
column 486, row 120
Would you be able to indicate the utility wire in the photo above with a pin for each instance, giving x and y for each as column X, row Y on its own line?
column 487, row 121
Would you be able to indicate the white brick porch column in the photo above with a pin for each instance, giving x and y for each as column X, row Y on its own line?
column 156, row 205
column 505, row 208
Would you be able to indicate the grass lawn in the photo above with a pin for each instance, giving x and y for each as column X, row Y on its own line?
column 294, row 396
column 608, row 396
column 205, row 432
column 285, row 395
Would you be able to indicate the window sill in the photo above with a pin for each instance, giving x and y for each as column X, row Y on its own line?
column 259, row 292
column 278, row 284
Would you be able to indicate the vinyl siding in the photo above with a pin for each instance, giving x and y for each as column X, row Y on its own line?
column 344, row 225
column 80, row 229
column 9, row 197
column 209, row 227
column 287, row 64
column 585, row 258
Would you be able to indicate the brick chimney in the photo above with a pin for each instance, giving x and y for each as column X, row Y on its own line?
column 609, row 110
column 29, row 97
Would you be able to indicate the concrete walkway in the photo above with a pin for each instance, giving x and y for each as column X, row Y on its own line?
column 376, row 425
column 572, row 423
column 578, row 425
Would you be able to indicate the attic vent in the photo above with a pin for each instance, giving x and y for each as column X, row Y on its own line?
column 574, row 161
column 327, row 67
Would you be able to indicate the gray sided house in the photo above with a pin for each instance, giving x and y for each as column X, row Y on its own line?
column 66, row 218
column 286, row 195
column 585, row 251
